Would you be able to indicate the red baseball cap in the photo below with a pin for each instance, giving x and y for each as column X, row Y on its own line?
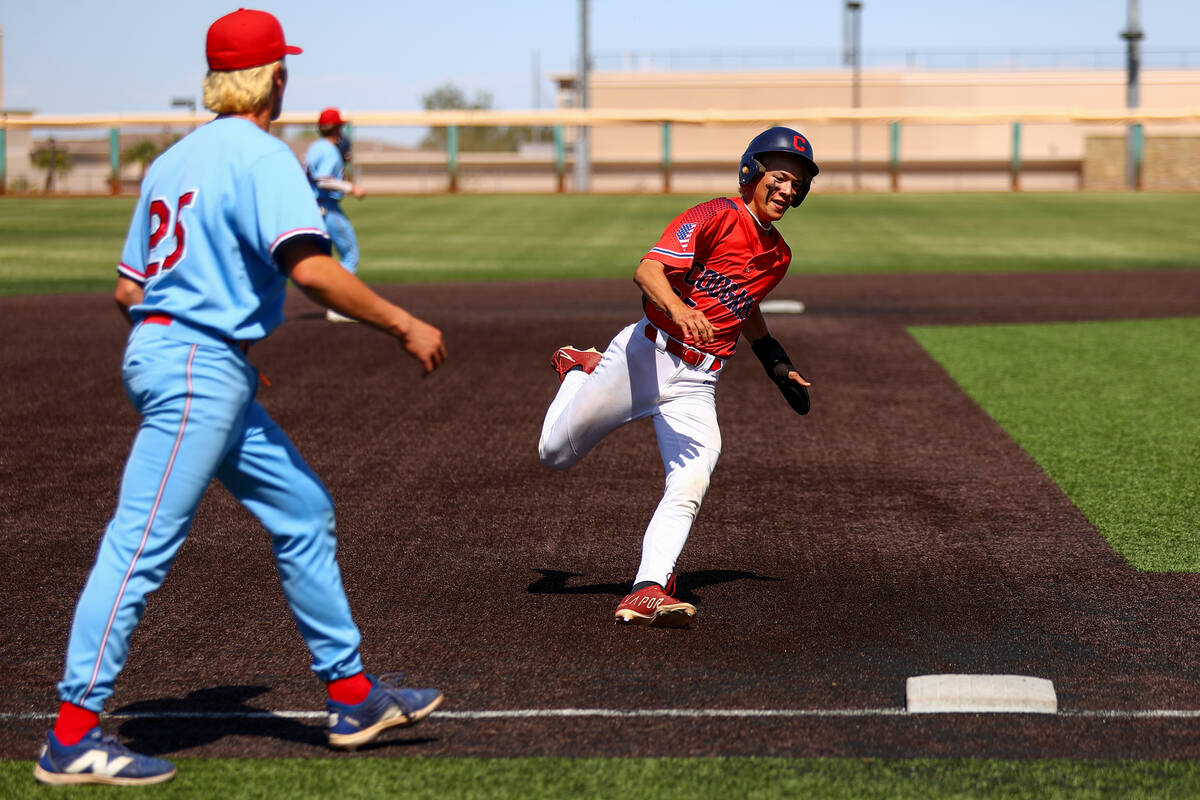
column 330, row 117
column 246, row 38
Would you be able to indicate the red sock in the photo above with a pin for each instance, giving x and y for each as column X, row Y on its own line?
column 73, row 723
column 349, row 691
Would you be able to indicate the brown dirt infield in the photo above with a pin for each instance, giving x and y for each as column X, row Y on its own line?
column 895, row 531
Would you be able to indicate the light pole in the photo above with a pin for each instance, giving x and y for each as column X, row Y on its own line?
column 852, row 48
column 184, row 102
column 582, row 157
column 1133, row 35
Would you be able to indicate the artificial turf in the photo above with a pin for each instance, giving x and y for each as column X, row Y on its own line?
column 71, row 244
column 663, row 779
column 1111, row 412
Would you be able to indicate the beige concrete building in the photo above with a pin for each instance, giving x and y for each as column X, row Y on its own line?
column 702, row 158
column 976, row 156
column 936, row 157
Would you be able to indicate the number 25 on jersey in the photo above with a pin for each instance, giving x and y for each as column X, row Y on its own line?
column 162, row 219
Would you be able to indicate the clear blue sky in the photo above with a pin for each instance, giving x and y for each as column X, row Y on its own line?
column 85, row 56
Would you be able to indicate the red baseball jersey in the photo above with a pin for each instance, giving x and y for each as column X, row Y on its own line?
column 719, row 260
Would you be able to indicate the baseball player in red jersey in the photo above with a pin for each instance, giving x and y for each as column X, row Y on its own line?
column 702, row 284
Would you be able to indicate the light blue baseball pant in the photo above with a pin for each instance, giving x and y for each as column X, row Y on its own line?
column 199, row 420
column 341, row 232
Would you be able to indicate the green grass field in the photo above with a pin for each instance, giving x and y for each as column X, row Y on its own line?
column 662, row 779
column 1109, row 410
column 65, row 244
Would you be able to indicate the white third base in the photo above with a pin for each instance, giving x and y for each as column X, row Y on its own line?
column 781, row 307
column 940, row 694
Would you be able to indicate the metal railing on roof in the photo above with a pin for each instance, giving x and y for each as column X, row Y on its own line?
column 994, row 59
column 621, row 116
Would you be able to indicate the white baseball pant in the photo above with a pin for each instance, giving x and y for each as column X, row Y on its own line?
column 635, row 379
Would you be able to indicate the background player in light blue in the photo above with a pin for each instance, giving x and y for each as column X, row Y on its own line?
column 224, row 218
column 325, row 164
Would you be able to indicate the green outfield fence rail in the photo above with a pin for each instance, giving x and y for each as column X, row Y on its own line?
column 1016, row 156
column 667, row 120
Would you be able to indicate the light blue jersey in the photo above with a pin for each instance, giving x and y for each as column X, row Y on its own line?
column 324, row 161
column 213, row 210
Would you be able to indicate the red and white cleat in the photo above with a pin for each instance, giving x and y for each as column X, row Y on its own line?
column 653, row 606
column 569, row 357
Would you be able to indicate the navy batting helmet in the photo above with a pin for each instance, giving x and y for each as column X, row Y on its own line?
column 777, row 140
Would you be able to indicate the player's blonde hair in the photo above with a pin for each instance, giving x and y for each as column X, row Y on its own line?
column 239, row 91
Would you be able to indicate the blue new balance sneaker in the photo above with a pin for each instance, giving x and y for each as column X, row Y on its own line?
column 98, row 759
column 387, row 706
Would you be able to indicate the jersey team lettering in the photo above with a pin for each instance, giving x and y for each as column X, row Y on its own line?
column 722, row 288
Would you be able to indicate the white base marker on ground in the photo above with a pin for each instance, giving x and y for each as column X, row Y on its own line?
column 781, row 307
column 969, row 694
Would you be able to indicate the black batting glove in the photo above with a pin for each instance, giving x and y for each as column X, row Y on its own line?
column 777, row 364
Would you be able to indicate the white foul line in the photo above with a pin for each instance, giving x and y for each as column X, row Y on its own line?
column 1146, row 713
column 613, row 713
column 516, row 713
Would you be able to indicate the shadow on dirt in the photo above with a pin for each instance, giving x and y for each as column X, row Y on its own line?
column 205, row 716
column 554, row 581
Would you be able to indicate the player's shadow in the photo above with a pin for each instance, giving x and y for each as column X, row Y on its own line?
column 206, row 716
column 555, row 581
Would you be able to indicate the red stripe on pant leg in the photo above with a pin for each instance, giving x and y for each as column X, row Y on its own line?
column 162, row 487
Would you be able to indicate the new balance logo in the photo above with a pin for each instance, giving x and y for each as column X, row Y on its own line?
column 98, row 763
column 335, row 719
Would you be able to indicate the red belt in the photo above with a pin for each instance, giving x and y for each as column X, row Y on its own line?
column 166, row 319
column 686, row 354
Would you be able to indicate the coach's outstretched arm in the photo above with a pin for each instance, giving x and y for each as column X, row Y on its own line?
column 325, row 281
